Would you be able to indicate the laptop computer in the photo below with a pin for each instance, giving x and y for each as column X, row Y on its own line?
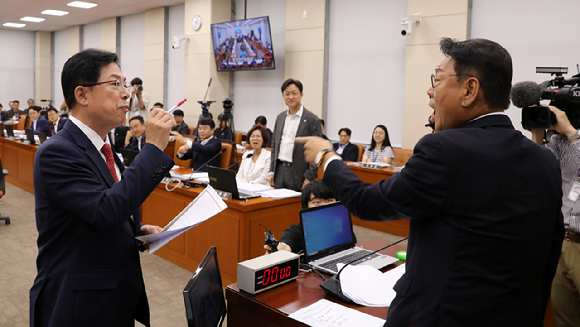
column 41, row 137
column 128, row 156
column 225, row 180
column 329, row 241
column 9, row 130
column 30, row 135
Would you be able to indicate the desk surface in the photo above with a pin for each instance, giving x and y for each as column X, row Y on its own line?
column 272, row 307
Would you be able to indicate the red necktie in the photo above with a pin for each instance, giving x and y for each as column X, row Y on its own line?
column 108, row 152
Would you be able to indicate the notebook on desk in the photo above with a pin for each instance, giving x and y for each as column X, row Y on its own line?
column 225, row 180
column 328, row 239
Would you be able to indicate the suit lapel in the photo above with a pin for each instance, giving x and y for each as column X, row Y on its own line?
column 302, row 125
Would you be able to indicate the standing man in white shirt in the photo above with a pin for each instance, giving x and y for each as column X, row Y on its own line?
column 139, row 100
column 288, row 169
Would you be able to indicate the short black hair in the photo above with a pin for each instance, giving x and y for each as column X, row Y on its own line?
column 159, row 104
column 344, row 129
column 290, row 81
column 261, row 120
column 263, row 131
column 136, row 81
column 318, row 189
column 139, row 118
column 178, row 112
column 35, row 108
column 51, row 109
column 223, row 117
column 485, row 60
column 16, row 101
column 83, row 68
column 31, row 99
column 322, row 122
column 207, row 122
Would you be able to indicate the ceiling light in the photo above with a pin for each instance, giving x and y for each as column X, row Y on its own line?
column 32, row 19
column 82, row 4
column 13, row 25
column 54, row 12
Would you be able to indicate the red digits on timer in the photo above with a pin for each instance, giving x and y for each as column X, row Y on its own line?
column 273, row 272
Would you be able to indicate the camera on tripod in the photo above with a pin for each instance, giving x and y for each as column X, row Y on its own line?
column 562, row 93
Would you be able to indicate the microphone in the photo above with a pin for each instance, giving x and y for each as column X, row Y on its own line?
column 207, row 162
column 237, row 162
column 525, row 94
column 331, row 286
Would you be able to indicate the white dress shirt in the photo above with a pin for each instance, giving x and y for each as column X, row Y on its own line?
column 255, row 172
column 291, row 124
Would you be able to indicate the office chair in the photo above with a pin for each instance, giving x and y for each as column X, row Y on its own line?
column 205, row 304
column 3, row 190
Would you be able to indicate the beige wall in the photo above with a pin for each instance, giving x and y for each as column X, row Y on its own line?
column 109, row 35
column 155, row 54
column 42, row 66
column 304, row 57
column 74, row 40
column 200, row 60
column 447, row 18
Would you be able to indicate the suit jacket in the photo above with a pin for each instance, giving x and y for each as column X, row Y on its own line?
column 89, row 273
column 134, row 143
column 203, row 153
column 42, row 126
column 59, row 125
column 350, row 152
column 182, row 128
column 120, row 134
column 309, row 126
column 485, row 225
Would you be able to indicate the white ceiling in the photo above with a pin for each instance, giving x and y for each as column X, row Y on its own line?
column 13, row 10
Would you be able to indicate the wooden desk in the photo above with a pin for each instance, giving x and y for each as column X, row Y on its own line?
column 18, row 159
column 272, row 307
column 235, row 231
column 372, row 176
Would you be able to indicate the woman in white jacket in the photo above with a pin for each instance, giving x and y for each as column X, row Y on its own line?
column 255, row 165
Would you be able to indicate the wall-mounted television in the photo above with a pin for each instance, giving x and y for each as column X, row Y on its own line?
column 243, row 45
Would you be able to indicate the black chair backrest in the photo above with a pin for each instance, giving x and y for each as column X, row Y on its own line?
column 2, row 182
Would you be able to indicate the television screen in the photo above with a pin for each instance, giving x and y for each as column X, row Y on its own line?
column 243, row 45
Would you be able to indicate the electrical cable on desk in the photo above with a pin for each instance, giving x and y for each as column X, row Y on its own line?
column 172, row 180
column 308, row 267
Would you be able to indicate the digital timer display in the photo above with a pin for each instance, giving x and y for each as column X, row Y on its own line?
column 275, row 275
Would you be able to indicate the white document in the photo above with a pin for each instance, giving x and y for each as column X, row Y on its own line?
column 206, row 205
column 329, row 314
column 189, row 175
column 253, row 187
column 281, row 193
column 367, row 286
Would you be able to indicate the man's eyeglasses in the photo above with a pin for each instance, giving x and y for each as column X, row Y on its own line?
column 118, row 84
column 433, row 78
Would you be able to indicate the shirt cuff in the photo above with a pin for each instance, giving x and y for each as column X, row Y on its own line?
column 189, row 144
column 334, row 157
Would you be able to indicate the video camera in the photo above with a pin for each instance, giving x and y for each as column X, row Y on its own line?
column 562, row 93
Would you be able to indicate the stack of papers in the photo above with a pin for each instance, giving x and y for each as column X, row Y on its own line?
column 247, row 187
column 281, row 193
column 329, row 314
column 206, row 205
column 197, row 176
column 367, row 286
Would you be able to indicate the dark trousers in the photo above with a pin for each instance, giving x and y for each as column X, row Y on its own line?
column 284, row 178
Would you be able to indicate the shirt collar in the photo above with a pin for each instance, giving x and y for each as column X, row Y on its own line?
column 204, row 142
column 91, row 134
column 298, row 114
column 490, row 114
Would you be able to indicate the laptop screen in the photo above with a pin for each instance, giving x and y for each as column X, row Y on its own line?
column 326, row 227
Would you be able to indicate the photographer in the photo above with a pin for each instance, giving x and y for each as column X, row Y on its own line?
column 566, row 148
column 139, row 100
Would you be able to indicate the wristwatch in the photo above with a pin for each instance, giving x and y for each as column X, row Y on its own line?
column 575, row 136
column 320, row 156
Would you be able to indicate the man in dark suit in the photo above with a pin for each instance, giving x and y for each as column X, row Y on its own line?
column 345, row 149
column 181, row 127
column 288, row 168
column 37, row 121
column 56, row 122
column 117, row 137
column 202, row 150
column 136, row 139
column 88, row 205
column 483, row 202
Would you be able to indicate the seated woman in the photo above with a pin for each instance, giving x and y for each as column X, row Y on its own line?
column 380, row 149
column 255, row 165
column 314, row 194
